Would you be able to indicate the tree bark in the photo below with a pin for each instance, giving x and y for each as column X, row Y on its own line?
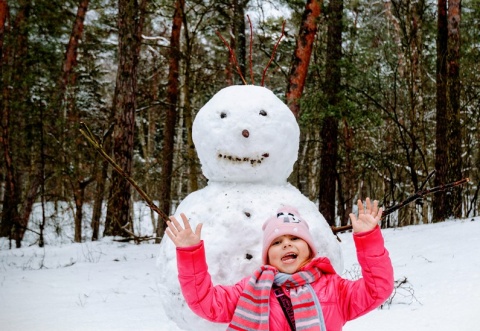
column 329, row 131
column 348, row 184
column 68, row 79
column 130, row 24
column 70, row 62
column 15, row 97
column 240, row 40
column 3, row 20
column 101, row 184
column 441, row 148
column 10, row 215
column 188, row 114
column 79, row 198
column 30, row 199
column 98, row 200
column 454, row 123
column 9, row 209
column 301, row 55
column 171, row 116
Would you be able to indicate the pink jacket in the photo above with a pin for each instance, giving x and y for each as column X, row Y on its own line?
column 341, row 300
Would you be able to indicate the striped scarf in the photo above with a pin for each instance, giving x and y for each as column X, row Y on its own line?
column 252, row 312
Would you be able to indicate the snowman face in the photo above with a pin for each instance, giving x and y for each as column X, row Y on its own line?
column 246, row 134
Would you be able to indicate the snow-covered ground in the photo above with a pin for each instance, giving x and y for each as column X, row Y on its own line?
column 442, row 266
column 109, row 285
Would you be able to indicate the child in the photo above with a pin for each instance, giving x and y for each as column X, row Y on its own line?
column 293, row 290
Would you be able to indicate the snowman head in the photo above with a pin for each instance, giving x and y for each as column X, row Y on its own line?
column 245, row 133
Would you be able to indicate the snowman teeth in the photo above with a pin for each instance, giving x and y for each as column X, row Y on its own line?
column 234, row 158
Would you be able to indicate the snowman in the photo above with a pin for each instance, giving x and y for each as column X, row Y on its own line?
column 247, row 141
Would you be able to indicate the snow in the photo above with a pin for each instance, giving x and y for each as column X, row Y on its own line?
column 108, row 285
column 441, row 264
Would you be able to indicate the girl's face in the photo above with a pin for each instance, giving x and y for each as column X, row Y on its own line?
column 288, row 253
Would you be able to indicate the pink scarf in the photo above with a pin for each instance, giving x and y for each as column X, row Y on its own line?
column 253, row 305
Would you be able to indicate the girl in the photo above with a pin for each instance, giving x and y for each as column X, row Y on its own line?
column 294, row 289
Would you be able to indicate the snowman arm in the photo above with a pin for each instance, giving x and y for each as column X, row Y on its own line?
column 213, row 303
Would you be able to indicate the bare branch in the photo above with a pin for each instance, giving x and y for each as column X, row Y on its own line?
column 135, row 238
column 85, row 131
column 273, row 54
column 232, row 55
column 419, row 194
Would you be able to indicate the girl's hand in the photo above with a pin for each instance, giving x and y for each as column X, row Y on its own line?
column 183, row 237
column 367, row 218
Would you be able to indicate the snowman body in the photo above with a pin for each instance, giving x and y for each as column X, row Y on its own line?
column 247, row 141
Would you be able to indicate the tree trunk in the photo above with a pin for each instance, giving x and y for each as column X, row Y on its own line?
column 191, row 155
column 440, row 210
column 98, row 200
column 301, row 55
column 239, row 34
column 453, row 89
column 188, row 113
column 14, row 100
column 10, row 215
column 171, row 116
column 328, row 169
column 100, row 180
column 70, row 62
column 130, row 24
column 6, row 222
column 41, row 239
column 329, row 132
column 30, row 198
column 71, row 153
column 3, row 20
column 79, row 197
column 348, row 183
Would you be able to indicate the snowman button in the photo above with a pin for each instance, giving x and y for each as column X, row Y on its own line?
column 245, row 133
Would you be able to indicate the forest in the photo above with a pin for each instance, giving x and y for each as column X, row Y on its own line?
column 386, row 93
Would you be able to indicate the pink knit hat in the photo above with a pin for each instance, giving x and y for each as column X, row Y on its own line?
column 287, row 221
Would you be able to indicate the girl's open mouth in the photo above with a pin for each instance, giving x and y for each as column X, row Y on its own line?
column 289, row 257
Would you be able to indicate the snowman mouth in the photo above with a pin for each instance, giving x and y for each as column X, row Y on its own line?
column 244, row 159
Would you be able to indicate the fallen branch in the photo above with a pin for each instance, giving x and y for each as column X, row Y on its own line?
column 402, row 290
column 93, row 141
column 418, row 195
column 134, row 237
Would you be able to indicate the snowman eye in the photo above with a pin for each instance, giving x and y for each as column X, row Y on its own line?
column 223, row 114
column 263, row 112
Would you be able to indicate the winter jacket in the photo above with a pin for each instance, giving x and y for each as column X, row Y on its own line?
column 341, row 300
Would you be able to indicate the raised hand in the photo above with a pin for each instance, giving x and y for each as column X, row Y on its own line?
column 183, row 236
column 368, row 217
